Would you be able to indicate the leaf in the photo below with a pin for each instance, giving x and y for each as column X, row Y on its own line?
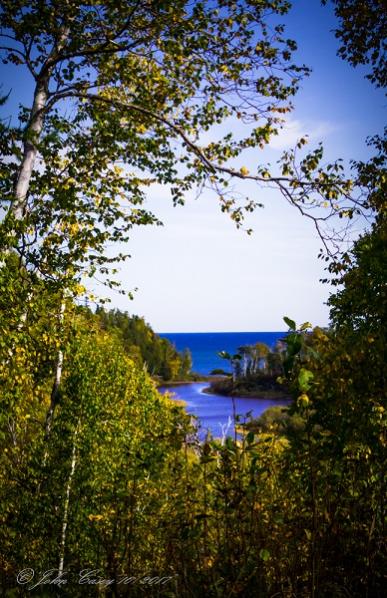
column 304, row 379
column 303, row 400
column 308, row 534
column 290, row 323
column 250, row 437
column 264, row 554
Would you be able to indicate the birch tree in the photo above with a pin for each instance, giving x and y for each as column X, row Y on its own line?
column 123, row 94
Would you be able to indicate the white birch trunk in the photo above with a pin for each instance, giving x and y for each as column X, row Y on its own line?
column 34, row 129
column 57, row 380
column 32, row 135
column 67, row 503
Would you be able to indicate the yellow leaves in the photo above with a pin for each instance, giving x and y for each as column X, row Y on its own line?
column 78, row 289
column 106, row 92
column 303, row 400
column 208, row 562
column 73, row 228
column 117, row 169
column 345, row 213
column 244, row 171
column 70, row 182
column 95, row 517
column 319, row 334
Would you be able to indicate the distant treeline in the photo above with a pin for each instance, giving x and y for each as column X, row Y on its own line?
column 255, row 371
column 144, row 346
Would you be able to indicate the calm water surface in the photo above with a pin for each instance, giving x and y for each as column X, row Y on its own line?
column 215, row 412
column 205, row 346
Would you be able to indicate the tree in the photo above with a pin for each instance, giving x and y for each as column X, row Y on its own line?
column 253, row 358
column 147, row 349
column 186, row 364
column 81, row 497
column 360, row 303
column 122, row 95
column 338, row 376
column 362, row 32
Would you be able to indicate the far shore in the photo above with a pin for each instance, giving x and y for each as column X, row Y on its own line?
column 255, row 394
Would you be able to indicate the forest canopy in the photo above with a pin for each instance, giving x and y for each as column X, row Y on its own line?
column 145, row 347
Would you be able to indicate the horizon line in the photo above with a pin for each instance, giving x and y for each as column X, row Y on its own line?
column 220, row 331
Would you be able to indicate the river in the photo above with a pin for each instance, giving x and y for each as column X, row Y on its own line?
column 215, row 412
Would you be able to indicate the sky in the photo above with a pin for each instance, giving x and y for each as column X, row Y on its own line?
column 198, row 273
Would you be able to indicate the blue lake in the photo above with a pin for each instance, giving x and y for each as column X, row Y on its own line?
column 215, row 412
column 205, row 346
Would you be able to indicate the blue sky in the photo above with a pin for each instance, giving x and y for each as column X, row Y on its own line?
column 197, row 272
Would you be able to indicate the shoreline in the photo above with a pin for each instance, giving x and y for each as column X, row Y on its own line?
column 256, row 394
column 199, row 380
column 275, row 395
column 178, row 383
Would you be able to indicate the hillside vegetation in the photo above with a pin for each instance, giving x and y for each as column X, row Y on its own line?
column 118, row 483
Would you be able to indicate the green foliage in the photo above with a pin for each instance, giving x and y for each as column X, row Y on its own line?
column 277, row 420
column 255, row 370
column 253, row 360
column 362, row 32
column 293, row 504
column 340, row 455
column 122, row 96
column 290, row 323
column 145, row 347
column 122, row 436
column 98, row 471
column 219, row 372
column 361, row 302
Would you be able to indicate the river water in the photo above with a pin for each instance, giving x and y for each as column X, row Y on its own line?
column 215, row 412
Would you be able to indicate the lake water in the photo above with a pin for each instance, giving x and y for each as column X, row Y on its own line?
column 215, row 412
column 205, row 346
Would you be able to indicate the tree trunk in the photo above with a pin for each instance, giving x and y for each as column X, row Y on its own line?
column 31, row 138
column 57, row 380
column 34, row 128
column 67, row 503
